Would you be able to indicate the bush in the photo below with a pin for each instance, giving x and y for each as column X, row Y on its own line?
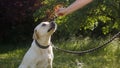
column 16, row 22
column 95, row 19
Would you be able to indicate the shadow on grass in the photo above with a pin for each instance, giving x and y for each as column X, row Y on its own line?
column 5, row 48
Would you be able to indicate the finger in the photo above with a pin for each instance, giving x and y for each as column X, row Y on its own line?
column 60, row 14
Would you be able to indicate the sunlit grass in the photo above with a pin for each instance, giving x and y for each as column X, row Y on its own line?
column 107, row 57
column 16, row 53
column 11, row 59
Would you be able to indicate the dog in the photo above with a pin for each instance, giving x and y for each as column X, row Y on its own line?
column 40, row 54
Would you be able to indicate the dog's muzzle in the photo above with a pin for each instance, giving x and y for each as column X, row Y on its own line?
column 52, row 26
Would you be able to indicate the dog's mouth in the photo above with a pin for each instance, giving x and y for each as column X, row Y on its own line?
column 51, row 29
column 52, row 26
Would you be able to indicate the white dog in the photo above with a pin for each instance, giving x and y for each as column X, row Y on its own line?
column 40, row 54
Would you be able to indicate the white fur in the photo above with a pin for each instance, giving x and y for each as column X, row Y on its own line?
column 37, row 57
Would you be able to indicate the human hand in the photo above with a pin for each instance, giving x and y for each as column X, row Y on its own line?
column 61, row 12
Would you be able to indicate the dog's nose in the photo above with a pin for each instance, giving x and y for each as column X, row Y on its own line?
column 52, row 23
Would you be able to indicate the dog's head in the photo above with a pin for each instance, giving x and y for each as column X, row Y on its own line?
column 44, row 29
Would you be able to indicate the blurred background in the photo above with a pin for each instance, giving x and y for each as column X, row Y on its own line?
column 19, row 17
column 86, row 28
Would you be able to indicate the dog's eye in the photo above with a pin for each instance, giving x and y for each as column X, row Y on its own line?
column 43, row 24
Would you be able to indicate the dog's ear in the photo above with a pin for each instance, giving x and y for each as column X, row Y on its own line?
column 35, row 35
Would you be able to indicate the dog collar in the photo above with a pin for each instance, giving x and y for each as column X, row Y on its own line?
column 40, row 46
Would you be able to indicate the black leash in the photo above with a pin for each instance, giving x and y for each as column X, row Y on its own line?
column 89, row 50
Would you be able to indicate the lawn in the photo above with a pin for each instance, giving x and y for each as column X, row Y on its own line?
column 107, row 57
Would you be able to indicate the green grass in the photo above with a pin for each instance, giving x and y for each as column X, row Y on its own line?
column 107, row 57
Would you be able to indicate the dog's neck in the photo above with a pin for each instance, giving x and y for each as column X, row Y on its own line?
column 44, row 41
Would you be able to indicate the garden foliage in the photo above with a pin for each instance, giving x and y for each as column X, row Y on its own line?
column 99, row 18
column 19, row 17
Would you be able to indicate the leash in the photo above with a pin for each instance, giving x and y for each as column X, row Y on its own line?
column 89, row 50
